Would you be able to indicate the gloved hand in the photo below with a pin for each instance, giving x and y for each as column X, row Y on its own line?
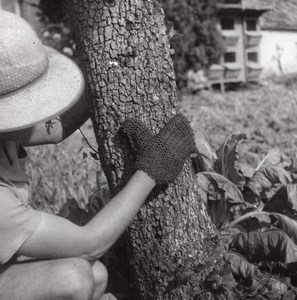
column 161, row 156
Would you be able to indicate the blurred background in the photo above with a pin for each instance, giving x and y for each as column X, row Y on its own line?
column 235, row 64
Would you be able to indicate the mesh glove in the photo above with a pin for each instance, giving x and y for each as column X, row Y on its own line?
column 161, row 156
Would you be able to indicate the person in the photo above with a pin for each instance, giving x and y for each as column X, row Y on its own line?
column 40, row 97
column 196, row 79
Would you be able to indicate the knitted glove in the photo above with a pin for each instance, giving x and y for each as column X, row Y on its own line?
column 161, row 156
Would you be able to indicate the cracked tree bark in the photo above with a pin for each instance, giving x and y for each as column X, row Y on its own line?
column 126, row 60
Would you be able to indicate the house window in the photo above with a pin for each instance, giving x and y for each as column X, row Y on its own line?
column 252, row 57
column 251, row 25
column 227, row 24
column 230, row 57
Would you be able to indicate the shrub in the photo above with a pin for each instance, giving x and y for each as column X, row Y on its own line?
column 197, row 39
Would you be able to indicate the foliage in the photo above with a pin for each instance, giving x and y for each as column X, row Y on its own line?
column 191, row 29
column 198, row 40
column 56, row 29
column 257, row 233
column 64, row 176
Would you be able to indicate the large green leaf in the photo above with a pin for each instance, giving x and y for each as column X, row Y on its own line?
column 228, row 159
column 256, row 220
column 251, row 221
column 271, row 245
column 206, row 157
column 220, row 193
column 266, row 177
column 270, row 171
column 273, row 158
column 284, row 201
column 221, row 185
column 286, row 224
column 239, row 265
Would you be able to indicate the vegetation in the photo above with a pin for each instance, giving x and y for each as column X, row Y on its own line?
column 191, row 29
column 56, row 30
column 259, row 231
column 196, row 39
column 249, row 189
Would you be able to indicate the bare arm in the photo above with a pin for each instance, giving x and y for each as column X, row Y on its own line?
column 56, row 237
column 56, row 130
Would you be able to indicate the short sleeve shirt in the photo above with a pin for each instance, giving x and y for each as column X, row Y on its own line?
column 17, row 219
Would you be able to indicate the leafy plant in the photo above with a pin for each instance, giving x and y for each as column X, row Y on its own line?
column 223, row 180
column 65, row 184
column 255, row 212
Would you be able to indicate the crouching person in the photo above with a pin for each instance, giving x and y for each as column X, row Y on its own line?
column 37, row 84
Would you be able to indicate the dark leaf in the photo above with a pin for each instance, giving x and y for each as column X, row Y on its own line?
column 279, row 202
column 271, row 245
column 240, row 266
column 266, row 177
column 228, row 159
column 221, row 184
column 221, row 193
column 292, row 196
column 252, row 221
column 286, row 224
column 294, row 169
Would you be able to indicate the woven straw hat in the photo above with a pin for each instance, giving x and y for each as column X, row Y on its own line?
column 36, row 83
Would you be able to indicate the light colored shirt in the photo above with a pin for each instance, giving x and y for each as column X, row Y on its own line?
column 17, row 219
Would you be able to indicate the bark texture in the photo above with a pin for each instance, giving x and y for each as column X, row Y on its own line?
column 125, row 56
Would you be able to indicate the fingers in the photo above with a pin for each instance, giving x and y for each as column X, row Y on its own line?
column 137, row 132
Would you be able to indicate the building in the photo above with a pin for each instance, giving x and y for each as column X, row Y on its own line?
column 278, row 47
column 238, row 21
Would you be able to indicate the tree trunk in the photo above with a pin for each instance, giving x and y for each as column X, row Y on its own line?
column 125, row 56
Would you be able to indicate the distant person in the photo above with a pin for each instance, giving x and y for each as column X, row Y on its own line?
column 196, row 80
column 37, row 85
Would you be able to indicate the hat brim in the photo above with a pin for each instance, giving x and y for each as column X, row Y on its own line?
column 59, row 88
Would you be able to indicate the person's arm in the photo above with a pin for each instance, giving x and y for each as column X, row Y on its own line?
column 160, row 159
column 57, row 130
column 56, row 237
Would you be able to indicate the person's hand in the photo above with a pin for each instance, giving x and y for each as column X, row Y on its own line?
column 161, row 156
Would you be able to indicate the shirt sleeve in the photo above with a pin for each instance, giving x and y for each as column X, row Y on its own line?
column 17, row 222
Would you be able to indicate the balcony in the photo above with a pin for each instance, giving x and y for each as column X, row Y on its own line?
column 252, row 38
column 253, row 71
column 230, row 38
column 232, row 71
column 215, row 73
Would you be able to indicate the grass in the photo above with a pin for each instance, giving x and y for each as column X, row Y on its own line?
column 268, row 112
column 67, row 171
column 60, row 172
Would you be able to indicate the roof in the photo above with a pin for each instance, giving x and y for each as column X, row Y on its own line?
column 258, row 4
column 282, row 17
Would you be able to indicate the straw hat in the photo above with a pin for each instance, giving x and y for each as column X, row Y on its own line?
column 36, row 83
